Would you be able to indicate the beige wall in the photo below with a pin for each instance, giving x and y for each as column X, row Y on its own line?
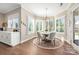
column 1, row 19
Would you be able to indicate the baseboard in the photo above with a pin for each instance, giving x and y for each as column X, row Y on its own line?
column 29, row 38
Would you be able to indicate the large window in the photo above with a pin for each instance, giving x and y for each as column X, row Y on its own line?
column 39, row 25
column 30, row 24
column 60, row 24
column 51, row 25
column 13, row 21
column 76, row 26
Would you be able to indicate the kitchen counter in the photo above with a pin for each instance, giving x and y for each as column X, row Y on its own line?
column 10, row 38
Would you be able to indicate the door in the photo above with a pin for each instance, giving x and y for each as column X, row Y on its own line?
column 76, row 27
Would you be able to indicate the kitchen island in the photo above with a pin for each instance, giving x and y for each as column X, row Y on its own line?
column 10, row 38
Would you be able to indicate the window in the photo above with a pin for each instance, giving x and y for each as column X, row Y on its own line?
column 16, row 22
column 60, row 24
column 51, row 25
column 39, row 25
column 13, row 21
column 10, row 23
column 30, row 24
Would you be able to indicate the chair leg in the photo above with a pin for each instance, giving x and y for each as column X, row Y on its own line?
column 38, row 40
column 54, row 41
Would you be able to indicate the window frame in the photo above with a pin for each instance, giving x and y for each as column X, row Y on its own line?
column 62, row 17
column 12, row 18
column 40, row 22
column 32, row 20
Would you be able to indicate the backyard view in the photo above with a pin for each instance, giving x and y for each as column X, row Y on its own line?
column 60, row 25
column 39, row 25
column 76, row 30
column 76, row 27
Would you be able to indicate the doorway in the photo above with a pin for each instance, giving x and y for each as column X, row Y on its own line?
column 76, row 26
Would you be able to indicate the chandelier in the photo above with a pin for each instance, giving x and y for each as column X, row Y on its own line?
column 46, row 21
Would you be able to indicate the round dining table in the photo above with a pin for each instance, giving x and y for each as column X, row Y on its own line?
column 46, row 33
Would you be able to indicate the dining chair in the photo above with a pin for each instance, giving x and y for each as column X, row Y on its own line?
column 51, row 37
column 40, row 37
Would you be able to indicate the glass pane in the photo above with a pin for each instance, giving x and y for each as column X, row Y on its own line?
column 40, row 26
column 51, row 25
column 57, row 25
column 9, row 23
column 30, row 24
column 61, row 25
column 76, row 30
column 13, row 22
column 76, row 27
column 37, row 26
column 16, row 22
column 47, row 25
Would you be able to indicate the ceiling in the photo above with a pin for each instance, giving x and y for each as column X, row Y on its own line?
column 6, row 7
column 39, row 9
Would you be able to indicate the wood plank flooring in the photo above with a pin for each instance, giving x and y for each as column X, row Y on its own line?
column 28, row 48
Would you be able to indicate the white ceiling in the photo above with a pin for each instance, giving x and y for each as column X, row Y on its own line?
column 6, row 7
column 39, row 9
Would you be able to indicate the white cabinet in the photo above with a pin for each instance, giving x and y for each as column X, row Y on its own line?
column 15, row 38
column 10, row 38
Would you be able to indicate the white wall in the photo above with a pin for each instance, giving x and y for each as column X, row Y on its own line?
column 24, row 28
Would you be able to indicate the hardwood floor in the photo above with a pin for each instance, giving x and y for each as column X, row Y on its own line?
column 28, row 48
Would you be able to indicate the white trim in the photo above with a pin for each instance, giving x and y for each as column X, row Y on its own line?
column 29, row 37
